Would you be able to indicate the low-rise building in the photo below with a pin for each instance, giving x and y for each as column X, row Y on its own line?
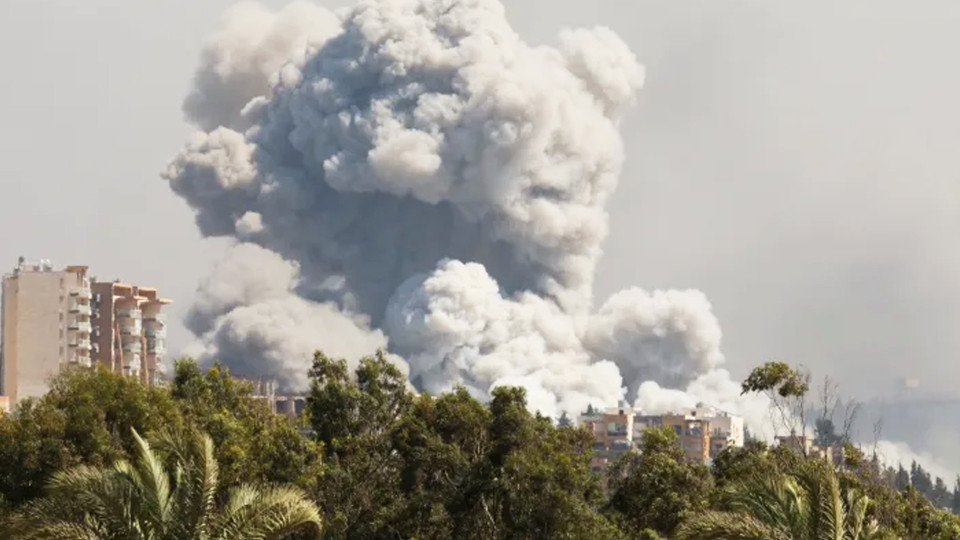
column 808, row 447
column 291, row 405
column 703, row 432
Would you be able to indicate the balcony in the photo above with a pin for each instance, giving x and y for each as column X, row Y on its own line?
column 79, row 326
column 81, row 309
column 81, row 292
column 131, row 328
column 81, row 360
column 129, row 313
column 156, row 347
column 155, row 317
column 155, row 333
column 83, row 344
column 132, row 347
column 131, row 361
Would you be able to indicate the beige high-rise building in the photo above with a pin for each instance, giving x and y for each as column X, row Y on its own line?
column 46, row 325
column 54, row 318
column 129, row 329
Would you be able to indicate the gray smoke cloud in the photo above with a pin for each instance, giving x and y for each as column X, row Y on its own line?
column 416, row 176
column 241, row 60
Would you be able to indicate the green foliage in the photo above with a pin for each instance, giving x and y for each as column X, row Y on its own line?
column 657, row 487
column 252, row 443
column 447, row 467
column 380, row 462
column 779, row 377
column 86, row 417
column 917, row 519
column 733, row 464
column 799, row 506
column 165, row 495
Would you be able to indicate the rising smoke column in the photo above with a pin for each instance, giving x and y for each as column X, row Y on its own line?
column 415, row 174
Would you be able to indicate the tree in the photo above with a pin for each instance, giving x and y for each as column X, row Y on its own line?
column 733, row 464
column 786, row 387
column 920, row 479
column 252, row 444
column 341, row 409
column 656, row 487
column 955, row 501
column 165, row 495
column 825, row 428
column 940, row 496
column 354, row 419
column 917, row 519
column 902, row 481
column 810, row 504
column 446, row 467
column 534, row 480
column 85, row 418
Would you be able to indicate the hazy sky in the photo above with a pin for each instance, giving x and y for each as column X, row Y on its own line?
column 795, row 161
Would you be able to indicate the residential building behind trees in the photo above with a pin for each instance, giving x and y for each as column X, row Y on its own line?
column 53, row 319
column 702, row 432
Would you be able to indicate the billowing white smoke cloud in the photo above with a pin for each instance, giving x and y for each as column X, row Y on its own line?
column 894, row 453
column 248, row 314
column 241, row 61
column 416, row 167
column 454, row 327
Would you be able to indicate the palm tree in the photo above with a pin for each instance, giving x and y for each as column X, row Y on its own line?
column 806, row 506
column 165, row 494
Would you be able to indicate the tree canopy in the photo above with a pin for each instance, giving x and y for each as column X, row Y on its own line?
column 380, row 461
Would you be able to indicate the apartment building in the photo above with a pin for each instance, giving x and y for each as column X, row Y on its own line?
column 808, row 447
column 612, row 430
column 46, row 325
column 129, row 329
column 703, row 432
column 706, row 431
column 55, row 318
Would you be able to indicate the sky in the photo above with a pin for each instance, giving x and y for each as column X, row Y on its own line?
column 795, row 162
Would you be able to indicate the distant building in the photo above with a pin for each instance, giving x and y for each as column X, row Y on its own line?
column 56, row 318
column 703, row 432
column 291, row 405
column 807, row 446
column 612, row 431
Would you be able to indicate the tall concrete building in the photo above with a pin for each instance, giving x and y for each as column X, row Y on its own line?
column 46, row 325
column 129, row 329
column 56, row 318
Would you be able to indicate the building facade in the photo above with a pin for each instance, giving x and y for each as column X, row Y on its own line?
column 291, row 405
column 129, row 329
column 56, row 318
column 807, row 446
column 703, row 432
column 46, row 324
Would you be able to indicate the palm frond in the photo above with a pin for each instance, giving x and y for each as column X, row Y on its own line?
column 270, row 514
column 728, row 526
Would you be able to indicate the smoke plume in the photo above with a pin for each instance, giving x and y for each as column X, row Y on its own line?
column 412, row 174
